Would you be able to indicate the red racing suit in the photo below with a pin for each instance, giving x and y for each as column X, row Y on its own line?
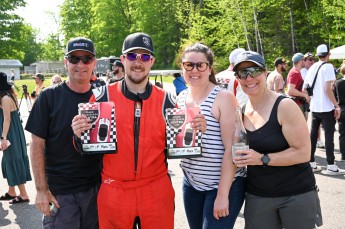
column 135, row 180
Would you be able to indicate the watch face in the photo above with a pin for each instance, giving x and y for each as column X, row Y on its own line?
column 265, row 159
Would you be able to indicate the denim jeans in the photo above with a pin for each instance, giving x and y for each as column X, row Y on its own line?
column 328, row 122
column 199, row 205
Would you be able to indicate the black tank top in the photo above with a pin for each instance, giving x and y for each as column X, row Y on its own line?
column 276, row 181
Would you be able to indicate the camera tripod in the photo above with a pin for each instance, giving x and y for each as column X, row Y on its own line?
column 28, row 101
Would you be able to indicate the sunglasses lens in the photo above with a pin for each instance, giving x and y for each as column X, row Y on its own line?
column 145, row 57
column 76, row 59
column 87, row 59
column 253, row 72
column 131, row 56
column 201, row 66
column 188, row 66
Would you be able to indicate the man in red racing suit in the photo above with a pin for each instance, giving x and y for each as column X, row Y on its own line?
column 136, row 187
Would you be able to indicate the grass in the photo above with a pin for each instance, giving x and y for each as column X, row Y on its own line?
column 30, row 83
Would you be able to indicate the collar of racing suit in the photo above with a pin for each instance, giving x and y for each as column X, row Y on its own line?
column 139, row 96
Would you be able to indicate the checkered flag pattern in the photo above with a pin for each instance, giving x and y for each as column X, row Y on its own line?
column 112, row 134
column 172, row 132
column 85, row 137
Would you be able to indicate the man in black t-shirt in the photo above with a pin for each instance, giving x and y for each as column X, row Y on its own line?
column 63, row 177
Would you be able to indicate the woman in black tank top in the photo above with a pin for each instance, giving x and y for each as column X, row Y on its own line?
column 279, row 177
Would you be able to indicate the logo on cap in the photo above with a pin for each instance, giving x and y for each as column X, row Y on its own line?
column 80, row 44
column 146, row 41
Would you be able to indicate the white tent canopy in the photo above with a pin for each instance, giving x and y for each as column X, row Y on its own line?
column 338, row 52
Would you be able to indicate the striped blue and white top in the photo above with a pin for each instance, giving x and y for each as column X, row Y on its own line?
column 203, row 173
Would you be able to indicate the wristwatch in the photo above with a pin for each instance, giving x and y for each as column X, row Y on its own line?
column 3, row 138
column 265, row 160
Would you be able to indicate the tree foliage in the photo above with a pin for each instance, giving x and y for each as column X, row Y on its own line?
column 272, row 27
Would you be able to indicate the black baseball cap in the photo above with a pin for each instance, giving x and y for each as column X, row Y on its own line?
column 118, row 63
column 39, row 76
column 280, row 60
column 138, row 41
column 82, row 44
column 249, row 56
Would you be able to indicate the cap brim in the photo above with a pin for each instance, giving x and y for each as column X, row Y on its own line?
column 322, row 54
column 80, row 50
column 258, row 64
column 133, row 48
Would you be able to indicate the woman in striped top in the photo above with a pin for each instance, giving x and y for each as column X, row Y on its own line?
column 213, row 187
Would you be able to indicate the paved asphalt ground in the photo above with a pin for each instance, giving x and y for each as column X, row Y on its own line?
column 332, row 196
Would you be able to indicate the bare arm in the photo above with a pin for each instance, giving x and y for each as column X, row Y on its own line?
column 295, row 131
column 6, row 108
column 330, row 94
column 224, row 109
column 292, row 91
column 37, row 156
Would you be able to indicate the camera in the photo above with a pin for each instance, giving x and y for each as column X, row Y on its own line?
column 33, row 94
column 305, row 104
column 25, row 89
column 309, row 90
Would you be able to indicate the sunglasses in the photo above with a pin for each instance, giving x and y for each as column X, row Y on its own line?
column 201, row 66
column 75, row 59
column 310, row 59
column 252, row 71
column 144, row 57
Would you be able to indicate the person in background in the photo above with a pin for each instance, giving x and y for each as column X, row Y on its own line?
column 15, row 162
column 294, row 82
column 96, row 81
column 230, row 79
column 275, row 80
column 118, row 72
column 339, row 90
column 63, row 177
column 39, row 79
column 281, row 189
column 179, row 83
column 136, row 187
column 56, row 79
column 213, row 188
column 309, row 60
column 13, row 75
column 324, row 107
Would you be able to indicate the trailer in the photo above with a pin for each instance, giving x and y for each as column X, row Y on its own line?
column 104, row 64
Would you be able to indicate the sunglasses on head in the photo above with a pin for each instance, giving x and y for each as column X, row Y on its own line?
column 75, row 59
column 252, row 71
column 201, row 66
column 142, row 56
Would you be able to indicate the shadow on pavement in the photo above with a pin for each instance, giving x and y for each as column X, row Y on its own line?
column 27, row 216
column 3, row 214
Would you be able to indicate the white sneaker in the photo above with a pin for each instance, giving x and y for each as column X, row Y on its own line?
column 315, row 167
column 320, row 144
column 333, row 170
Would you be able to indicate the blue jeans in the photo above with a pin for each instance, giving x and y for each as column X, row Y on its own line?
column 198, row 205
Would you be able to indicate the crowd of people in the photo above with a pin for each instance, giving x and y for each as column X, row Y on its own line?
column 132, row 188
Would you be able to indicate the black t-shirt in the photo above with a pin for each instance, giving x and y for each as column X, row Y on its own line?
column 340, row 91
column 276, row 181
column 50, row 119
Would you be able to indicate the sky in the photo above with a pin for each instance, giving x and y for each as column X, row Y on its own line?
column 38, row 14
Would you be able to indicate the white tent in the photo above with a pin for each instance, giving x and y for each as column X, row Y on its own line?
column 338, row 52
